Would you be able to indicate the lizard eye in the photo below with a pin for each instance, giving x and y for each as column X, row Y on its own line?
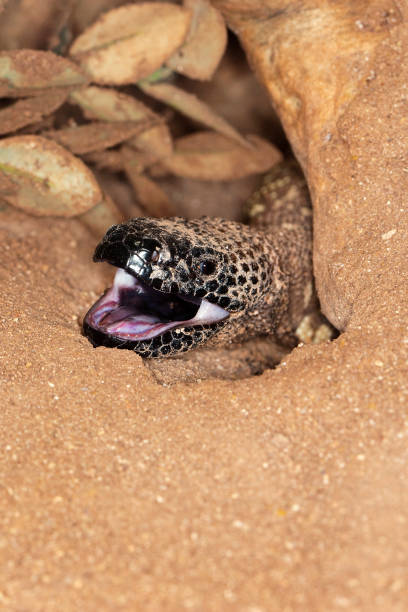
column 207, row 266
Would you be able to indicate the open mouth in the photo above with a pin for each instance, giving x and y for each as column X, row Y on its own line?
column 132, row 310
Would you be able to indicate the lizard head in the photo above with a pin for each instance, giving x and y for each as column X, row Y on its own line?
column 179, row 283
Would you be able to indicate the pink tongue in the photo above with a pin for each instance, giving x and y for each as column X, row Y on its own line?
column 124, row 321
column 116, row 315
column 133, row 327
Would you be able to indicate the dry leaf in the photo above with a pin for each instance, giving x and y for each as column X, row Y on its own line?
column 30, row 110
column 189, row 105
column 110, row 159
column 156, row 141
column 26, row 72
column 86, row 13
column 140, row 160
column 95, row 136
column 132, row 41
column 32, row 24
column 7, row 186
column 212, row 157
column 153, row 199
column 47, row 179
column 205, row 44
column 110, row 105
column 101, row 216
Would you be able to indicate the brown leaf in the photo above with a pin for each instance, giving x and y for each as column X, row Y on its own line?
column 100, row 217
column 132, row 41
column 108, row 104
column 86, row 13
column 140, row 160
column 32, row 24
column 7, row 186
column 109, row 159
column 156, row 141
column 212, row 157
column 95, row 136
column 189, row 105
column 153, row 199
column 47, row 179
column 26, row 72
column 205, row 44
column 29, row 111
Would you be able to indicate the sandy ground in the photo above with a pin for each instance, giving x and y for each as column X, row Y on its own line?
column 285, row 491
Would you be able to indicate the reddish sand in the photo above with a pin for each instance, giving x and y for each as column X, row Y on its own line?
column 286, row 491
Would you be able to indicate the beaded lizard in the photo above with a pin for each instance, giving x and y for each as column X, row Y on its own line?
column 184, row 283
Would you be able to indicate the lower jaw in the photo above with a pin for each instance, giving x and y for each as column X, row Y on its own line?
column 143, row 348
column 98, row 338
column 168, row 345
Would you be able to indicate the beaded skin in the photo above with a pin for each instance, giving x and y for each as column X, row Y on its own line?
column 260, row 274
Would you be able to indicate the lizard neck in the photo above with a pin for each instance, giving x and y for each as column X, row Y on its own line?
column 281, row 209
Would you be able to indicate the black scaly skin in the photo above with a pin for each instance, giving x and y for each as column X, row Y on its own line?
column 260, row 274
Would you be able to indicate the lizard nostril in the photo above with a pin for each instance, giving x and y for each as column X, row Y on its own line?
column 155, row 256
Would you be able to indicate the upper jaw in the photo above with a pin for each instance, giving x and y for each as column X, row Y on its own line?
column 133, row 256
